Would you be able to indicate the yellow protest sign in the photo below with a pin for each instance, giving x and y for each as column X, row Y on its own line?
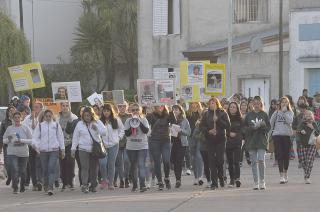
column 215, row 79
column 27, row 77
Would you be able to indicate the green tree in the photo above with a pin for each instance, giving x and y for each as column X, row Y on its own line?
column 14, row 50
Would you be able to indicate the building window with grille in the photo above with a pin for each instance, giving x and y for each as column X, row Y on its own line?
column 251, row 11
column 166, row 17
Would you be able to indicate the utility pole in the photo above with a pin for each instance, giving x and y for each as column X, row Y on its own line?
column 21, row 15
column 230, row 32
column 280, row 49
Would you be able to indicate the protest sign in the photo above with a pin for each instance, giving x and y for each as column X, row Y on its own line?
column 215, row 79
column 95, row 99
column 66, row 91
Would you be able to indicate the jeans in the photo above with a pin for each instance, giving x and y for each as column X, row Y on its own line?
column 35, row 167
column 160, row 151
column 187, row 157
column 122, row 165
column 18, row 170
column 197, row 162
column 233, row 157
column 216, row 153
column 89, row 169
column 79, row 166
column 177, row 154
column 138, row 161
column 283, row 146
column 257, row 158
column 107, row 164
column 67, row 166
column 49, row 162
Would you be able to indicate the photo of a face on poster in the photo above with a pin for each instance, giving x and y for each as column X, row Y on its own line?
column 95, row 99
column 107, row 96
column 195, row 73
column 35, row 75
column 165, row 91
column 214, row 81
column 186, row 93
column 66, row 91
column 146, row 91
column 61, row 93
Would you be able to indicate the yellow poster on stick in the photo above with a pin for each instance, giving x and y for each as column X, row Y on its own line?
column 215, row 79
column 27, row 77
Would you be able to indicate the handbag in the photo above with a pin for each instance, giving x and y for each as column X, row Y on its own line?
column 98, row 149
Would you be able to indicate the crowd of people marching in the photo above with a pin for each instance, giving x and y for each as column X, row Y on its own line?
column 143, row 144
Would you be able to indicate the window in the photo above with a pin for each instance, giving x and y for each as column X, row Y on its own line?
column 166, row 17
column 247, row 11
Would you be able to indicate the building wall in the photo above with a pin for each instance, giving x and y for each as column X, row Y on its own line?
column 296, row 4
column 302, row 49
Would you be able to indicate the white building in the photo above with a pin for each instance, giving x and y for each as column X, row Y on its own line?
column 49, row 26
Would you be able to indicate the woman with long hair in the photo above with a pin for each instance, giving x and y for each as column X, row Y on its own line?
column 194, row 115
column 214, row 124
column 90, row 129
column 281, row 122
column 18, row 137
column 256, row 127
column 49, row 140
column 115, row 132
column 179, row 141
column 234, row 143
column 136, row 130
column 159, row 142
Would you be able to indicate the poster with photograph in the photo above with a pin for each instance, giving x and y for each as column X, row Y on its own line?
column 215, row 79
column 186, row 93
column 118, row 96
column 195, row 72
column 165, row 91
column 107, row 96
column 27, row 77
column 95, row 99
column 49, row 104
column 146, row 91
column 66, row 91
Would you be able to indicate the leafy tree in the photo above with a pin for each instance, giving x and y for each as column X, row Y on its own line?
column 14, row 50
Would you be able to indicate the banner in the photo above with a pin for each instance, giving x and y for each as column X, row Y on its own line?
column 165, row 91
column 146, row 91
column 66, row 91
column 215, row 79
column 95, row 99
column 27, row 77
column 49, row 104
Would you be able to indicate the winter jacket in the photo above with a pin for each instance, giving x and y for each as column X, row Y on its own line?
column 48, row 137
column 303, row 139
column 160, row 126
column 81, row 136
column 236, row 127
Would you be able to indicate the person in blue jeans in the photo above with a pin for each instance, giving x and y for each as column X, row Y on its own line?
column 49, row 140
column 115, row 133
column 17, row 137
column 136, row 130
column 159, row 142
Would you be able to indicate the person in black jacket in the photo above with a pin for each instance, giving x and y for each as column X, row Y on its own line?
column 234, row 143
column 214, row 124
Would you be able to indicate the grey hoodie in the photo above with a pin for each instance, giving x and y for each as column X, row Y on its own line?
column 281, row 123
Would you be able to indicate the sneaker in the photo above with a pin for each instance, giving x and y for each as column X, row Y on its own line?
column 256, row 186
column 127, row 183
column 282, row 180
column 143, row 189
column 200, row 182
column 168, row 184
column 15, row 191
column 115, row 184
column 50, row 192
column 195, row 182
column 307, row 181
column 238, row 183
column 161, row 186
column 71, row 187
column 56, row 184
column 213, row 187
column 178, row 184
column 240, row 164
column 208, row 185
column 85, row 189
column 231, row 184
column 121, row 184
column 188, row 172
column 63, row 188
column 285, row 178
column 134, row 189
column 153, row 183
column 262, row 186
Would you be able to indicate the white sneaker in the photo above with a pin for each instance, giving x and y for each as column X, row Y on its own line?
column 262, row 186
column 307, row 181
column 188, row 172
column 208, row 184
column 285, row 177
column 153, row 183
column 256, row 186
column 282, row 180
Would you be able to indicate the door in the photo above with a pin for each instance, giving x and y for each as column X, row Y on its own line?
column 314, row 81
column 257, row 87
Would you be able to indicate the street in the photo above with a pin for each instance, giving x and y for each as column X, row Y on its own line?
column 294, row 196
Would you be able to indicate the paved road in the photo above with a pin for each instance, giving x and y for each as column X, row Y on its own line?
column 294, row 196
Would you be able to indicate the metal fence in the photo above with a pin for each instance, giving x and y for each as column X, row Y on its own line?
column 251, row 11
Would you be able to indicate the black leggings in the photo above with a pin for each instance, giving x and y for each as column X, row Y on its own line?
column 216, row 153
column 233, row 156
column 177, row 154
column 205, row 159
column 283, row 146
